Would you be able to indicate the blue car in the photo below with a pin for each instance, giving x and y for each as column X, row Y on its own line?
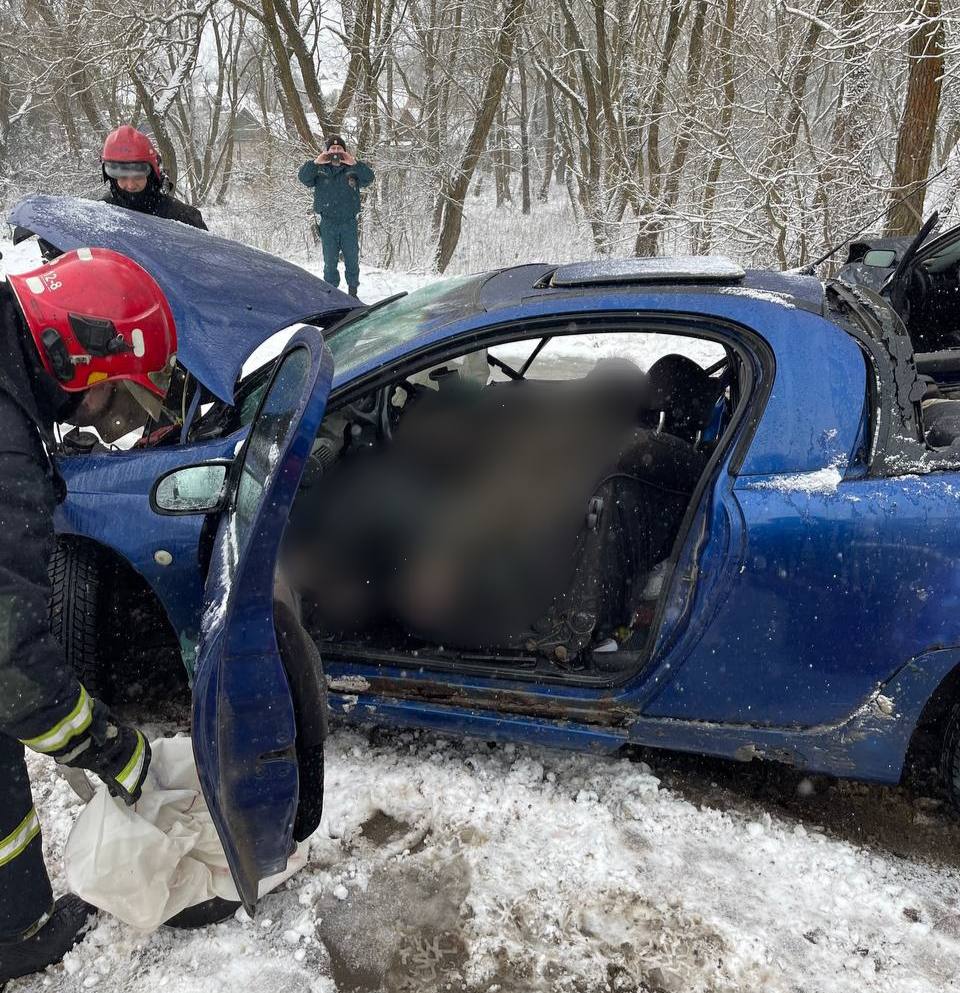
column 663, row 503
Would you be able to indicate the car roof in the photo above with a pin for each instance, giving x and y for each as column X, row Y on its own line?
column 531, row 283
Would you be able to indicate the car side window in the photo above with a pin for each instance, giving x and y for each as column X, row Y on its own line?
column 574, row 356
column 267, row 439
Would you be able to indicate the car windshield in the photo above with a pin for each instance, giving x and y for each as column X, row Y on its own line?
column 385, row 328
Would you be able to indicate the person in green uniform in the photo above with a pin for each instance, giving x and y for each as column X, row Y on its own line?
column 337, row 178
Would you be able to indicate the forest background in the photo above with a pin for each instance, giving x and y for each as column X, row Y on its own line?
column 506, row 130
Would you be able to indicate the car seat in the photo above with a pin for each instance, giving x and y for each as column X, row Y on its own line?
column 941, row 422
column 630, row 523
column 685, row 395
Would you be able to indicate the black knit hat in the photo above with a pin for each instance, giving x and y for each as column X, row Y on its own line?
column 335, row 139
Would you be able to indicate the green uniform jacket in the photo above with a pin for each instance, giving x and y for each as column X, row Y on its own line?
column 336, row 188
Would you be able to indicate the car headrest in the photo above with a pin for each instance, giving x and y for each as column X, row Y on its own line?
column 676, row 377
column 684, row 391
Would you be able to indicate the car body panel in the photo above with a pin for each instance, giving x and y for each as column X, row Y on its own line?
column 226, row 298
column 869, row 744
column 244, row 726
column 829, row 368
column 836, row 584
column 108, row 503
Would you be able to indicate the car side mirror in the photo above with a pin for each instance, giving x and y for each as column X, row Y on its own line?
column 880, row 258
column 192, row 489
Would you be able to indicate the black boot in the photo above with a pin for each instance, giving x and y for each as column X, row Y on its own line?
column 352, row 290
column 66, row 926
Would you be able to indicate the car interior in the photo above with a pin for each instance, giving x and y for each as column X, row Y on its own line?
column 513, row 508
column 926, row 298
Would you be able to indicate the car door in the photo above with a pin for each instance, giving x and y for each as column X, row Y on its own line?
column 244, row 727
column 924, row 291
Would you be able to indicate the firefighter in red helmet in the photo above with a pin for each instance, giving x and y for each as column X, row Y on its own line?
column 131, row 165
column 73, row 334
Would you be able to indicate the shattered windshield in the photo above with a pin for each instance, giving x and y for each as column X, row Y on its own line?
column 383, row 329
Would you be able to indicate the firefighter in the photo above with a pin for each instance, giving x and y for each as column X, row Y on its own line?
column 131, row 165
column 73, row 334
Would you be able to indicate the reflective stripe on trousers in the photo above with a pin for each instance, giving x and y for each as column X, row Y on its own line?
column 25, row 894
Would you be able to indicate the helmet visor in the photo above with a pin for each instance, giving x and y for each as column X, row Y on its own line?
column 124, row 170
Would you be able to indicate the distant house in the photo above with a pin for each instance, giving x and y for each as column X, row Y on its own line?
column 249, row 135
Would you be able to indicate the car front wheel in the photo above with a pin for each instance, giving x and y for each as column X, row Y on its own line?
column 75, row 613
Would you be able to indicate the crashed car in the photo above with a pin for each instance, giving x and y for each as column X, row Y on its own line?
column 656, row 502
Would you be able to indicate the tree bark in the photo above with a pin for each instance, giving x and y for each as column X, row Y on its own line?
column 161, row 134
column 549, row 140
column 702, row 234
column 308, row 72
column 651, row 226
column 294, row 113
column 359, row 48
column 918, row 125
column 681, row 146
column 524, row 141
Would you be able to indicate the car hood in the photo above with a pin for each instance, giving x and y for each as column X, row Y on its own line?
column 226, row 298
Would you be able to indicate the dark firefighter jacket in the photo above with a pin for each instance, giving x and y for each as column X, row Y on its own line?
column 152, row 201
column 336, row 188
column 40, row 697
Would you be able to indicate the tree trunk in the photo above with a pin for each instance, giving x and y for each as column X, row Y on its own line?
column 681, row 146
column 456, row 188
column 918, row 124
column 648, row 235
column 161, row 134
column 524, row 142
column 549, row 140
column 702, row 235
column 308, row 72
column 292, row 105
column 500, row 169
column 359, row 48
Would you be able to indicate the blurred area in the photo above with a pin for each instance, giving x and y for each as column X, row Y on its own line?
column 520, row 515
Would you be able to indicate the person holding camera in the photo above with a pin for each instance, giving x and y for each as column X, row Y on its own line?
column 337, row 178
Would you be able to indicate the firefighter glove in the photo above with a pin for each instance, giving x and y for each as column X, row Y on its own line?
column 118, row 754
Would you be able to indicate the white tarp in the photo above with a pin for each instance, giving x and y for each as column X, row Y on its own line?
column 145, row 863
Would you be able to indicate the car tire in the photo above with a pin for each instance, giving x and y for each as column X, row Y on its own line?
column 950, row 757
column 74, row 574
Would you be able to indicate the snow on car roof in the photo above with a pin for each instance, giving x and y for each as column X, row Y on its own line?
column 658, row 269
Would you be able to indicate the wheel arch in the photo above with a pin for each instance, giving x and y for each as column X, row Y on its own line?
column 925, row 741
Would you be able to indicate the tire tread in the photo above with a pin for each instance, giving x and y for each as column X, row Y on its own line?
column 75, row 583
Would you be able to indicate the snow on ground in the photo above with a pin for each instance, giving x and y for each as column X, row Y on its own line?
column 457, row 865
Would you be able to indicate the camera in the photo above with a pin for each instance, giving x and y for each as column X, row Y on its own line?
column 334, row 158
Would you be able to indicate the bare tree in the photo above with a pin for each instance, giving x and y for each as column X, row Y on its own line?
column 455, row 188
column 918, row 126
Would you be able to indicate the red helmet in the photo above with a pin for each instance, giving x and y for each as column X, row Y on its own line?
column 95, row 315
column 128, row 145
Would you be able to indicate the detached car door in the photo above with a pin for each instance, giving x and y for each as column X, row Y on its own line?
column 244, row 727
